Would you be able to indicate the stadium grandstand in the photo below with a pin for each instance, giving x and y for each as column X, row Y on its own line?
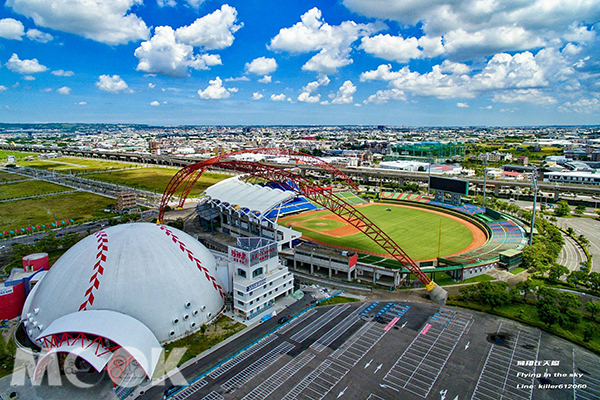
column 241, row 209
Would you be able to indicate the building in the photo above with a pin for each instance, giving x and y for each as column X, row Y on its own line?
column 122, row 293
column 258, row 277
column 17, row 286
column 240, row 209
column 126, row 201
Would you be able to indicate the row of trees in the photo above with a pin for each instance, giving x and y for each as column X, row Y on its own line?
column 552, row 306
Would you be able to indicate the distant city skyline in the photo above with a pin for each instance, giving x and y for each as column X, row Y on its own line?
column 267, row 62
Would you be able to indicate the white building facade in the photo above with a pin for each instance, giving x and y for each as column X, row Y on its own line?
column 258, row 277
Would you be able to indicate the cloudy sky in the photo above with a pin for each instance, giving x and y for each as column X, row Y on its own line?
column 391, row 62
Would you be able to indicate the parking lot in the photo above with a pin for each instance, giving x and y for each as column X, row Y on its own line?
column 393, row 350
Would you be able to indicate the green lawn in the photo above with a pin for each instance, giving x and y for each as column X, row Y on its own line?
column 155, row 179
column 29, row 188
column 22, row 213
column 415, row 230
column 18, row 155
column 338, row 300
column 7, row 177
column 75, row 165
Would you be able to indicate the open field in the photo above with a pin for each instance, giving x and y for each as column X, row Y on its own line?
column 75, row 165
column 155, row 179
column 7, row 177
column 415, row 230
column 29, row 188
column 22, row 213
column 18, row 155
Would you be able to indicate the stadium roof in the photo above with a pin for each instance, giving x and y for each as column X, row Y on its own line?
column 241, row 195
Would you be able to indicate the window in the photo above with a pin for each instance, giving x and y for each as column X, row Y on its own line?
column 241, row 273
column 284, row 284
column 251, row 301
column 257, row 272
column 240, row 303
column 240, row 293
column 270, row 283
column 265, row 296
column 276, row 289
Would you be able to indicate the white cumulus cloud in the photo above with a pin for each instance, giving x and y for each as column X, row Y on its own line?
column 213, row 31
column 11, row 29
column 39, row 36
column 262, row 66
column 257, row 96
column 112, row 84
column 345, row 94
column 61, row 72
column 164, row 55
column 215, row 90
column 65, row 90
column 109, row 22
column 155, row 103
column 383, row 96
column 278, row 97
column 331, row 42
column 462, row 105
column 308, row 92
column 2, row 88
column 25, row 66
column 265, row 79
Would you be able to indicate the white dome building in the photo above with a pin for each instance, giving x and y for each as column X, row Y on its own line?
column 131, row 287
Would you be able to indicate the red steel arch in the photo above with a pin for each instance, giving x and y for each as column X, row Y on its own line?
column 187, row 176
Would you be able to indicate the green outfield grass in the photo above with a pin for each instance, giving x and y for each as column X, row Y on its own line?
column 76, row 165
column 155, row 179
column 29, row 188
column 22, row 213
column 416, row 231
column 7, row 177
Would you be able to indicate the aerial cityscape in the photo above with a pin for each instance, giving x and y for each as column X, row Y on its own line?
column 299, row 200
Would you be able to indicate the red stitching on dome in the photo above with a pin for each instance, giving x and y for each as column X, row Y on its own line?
column 102, row 239
column 193, row 258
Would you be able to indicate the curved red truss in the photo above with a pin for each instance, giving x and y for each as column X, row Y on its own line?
column 306, row 188
column 198, row 168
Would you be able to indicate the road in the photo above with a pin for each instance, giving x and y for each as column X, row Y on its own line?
column 590, row 228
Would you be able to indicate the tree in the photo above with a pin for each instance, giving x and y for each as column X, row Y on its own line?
column 568, row 301
column 545, row 293
column 556, row 271
column 525, row 287
column 570, row 318
column 548, row 313
column 562, row 208
column 589, row 330
column 494, row 294
column 594, row 281
column 593, row 307
column 580, row 209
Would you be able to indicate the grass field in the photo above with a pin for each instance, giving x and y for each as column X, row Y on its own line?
column 29, row 188
column 155, row 179
column 18, row 155
column 75, row 165
column 7, row 177
column 22, row 213
column 416, row 231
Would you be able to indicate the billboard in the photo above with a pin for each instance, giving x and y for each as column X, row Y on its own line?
column 449, row 185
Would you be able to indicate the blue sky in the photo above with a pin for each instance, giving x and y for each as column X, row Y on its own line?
column 390, row 62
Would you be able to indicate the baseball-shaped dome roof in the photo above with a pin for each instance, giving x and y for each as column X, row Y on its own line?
column 156, row 274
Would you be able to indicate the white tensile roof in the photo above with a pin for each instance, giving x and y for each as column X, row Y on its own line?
column 245, row 195
column 121, row 329
column 157, row 275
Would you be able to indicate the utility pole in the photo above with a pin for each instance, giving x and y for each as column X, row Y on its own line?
column 535, row 188
column 484, row 177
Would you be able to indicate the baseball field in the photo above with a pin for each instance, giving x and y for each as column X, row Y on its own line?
column 416, row 230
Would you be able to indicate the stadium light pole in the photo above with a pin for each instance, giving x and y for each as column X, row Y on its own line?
column 535, row 188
